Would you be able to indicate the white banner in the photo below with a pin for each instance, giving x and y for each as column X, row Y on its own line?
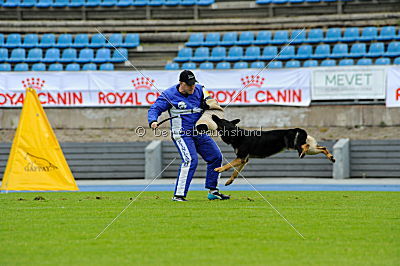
column 340, row 83
column 393, row 87
column 123, row 88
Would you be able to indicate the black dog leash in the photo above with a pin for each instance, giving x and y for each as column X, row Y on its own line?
column 165, row 120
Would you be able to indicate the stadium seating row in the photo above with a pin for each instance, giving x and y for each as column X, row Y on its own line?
column 280, row 64
column 263, row 2
column 81, row 40
column 252, row 53
column 52, row 55
column 56, row 67
column 103, row 3
column 296, row 36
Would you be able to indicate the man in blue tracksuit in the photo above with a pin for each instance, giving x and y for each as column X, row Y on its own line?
column 185, row 104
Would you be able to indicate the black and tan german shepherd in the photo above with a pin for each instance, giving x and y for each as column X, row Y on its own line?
column 261, row 144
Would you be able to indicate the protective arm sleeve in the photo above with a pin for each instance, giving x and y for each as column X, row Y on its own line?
column 161, row 105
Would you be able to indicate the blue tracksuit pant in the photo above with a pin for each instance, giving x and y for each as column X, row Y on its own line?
column 188, row 147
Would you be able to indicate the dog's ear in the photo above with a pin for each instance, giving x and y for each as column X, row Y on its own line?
column 215, row 118
column 235, row 121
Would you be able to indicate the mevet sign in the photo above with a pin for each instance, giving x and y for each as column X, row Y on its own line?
column 348, row 83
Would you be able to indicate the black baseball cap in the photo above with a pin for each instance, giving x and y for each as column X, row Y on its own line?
column 188, row 77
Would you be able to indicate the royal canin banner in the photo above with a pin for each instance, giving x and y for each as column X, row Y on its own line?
column 131, row 88
column 393, row 87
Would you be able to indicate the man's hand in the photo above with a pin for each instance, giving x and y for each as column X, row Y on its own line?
column 154, row 125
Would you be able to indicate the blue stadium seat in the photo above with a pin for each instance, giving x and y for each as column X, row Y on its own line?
column 60, row 3
column 11, row 3
column 235, row 53
column 171, row 2
column 172, row 66
column 97, row 41
column 64, row 40
column 364, row 62
column 131, row 40
column 396, row 61
column 304, row 52
column 369, row 34
column 310, row 63
column 350, row 34
column 115, row 40
column 21, row 67
column 269, row 53
column 30, row 40
column 195, row 39
column 252, row 53
column 322, row 51
column 81, row 40
column 292, row 64
column 280, row 37
column 257, row 64
column 188, row 2
column 68, row 55
column 340, row 50
column 89, row 67
column 229, row 39
column 382, row 61
column 398, row 35
column 48, row 40
column 27, row 3
column 212, row 39
column 140, row 2
column 72, row 67
column 17, row 55
column 125, row 3
column 13, row 40
column 120, row 55
column 38, row 67
column 298, row 36
column 76, row 3
column 206, row 65
column 155, row 2
column 240, row 65
column 108, row 3
column 376, row 49
column 188, row 65
column 333, row 35
column 55, row 67
column 102, row 55
column 263, row 37
column 92, row 3
column 275, row 64
column 52, row 55
column 346, row 62
column 3, row 54
column 358, row 50
column 279, row 1
column 85, row 56
column 1, row 39
column 296, row 1
column 328, row 63
column 5, row 67
column 184, row 54
column 263, row 2
column 223, row 65
column 286, row 53
column 393, row 49
column 217, row 54
column 387, row 33
column 204, row 2
column 245, row 38
column 34, row 55
column 313, row 1
column 315, row 36
column 201, row 54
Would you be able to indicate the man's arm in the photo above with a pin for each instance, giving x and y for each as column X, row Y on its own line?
column 161, row 105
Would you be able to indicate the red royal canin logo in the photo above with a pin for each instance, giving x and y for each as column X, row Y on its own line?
column 33, row 83
column 252, row 81
column 142, row 83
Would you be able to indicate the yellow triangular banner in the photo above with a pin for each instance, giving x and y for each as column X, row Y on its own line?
column 36, row 161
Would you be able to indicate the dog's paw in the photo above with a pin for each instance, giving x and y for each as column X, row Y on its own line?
column 332, row 159
column 302, row 155
column 230, row 181
column 219, row 170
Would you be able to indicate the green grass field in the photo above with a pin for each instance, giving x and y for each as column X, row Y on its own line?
column 341, row 228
